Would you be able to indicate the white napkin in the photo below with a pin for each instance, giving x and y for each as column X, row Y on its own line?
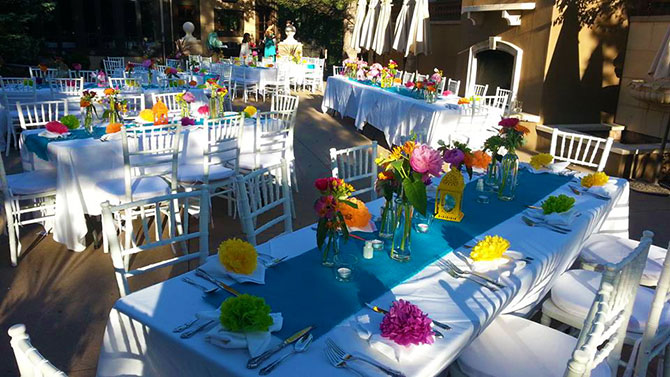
column 113, row 136
column 214, row 268
column 607, row 189
column 256, row 342
column 52, row 135
column 553, row 168
column 367, row 328
column 561, row 219
column 496, row 269
column 371, row 227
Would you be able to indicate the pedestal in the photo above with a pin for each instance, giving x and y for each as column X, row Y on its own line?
column 290, row 49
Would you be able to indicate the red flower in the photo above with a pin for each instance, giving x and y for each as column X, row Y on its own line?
column 322, row 184
column 56, row 127
column 509, row 122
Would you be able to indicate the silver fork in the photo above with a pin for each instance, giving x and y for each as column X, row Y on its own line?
column 456, row 275
column 578, row 192
column 458, row 270
column 347, row 356
column 337, row 362
column 196, row 284
column 532, row 223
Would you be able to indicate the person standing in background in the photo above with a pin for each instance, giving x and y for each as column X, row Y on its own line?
column 245, row 48
column 270, row 42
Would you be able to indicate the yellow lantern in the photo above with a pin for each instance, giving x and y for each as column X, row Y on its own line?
column 160, row 113
column 450, row 196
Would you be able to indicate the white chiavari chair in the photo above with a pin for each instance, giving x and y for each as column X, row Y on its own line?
column 279, row 84
column 46, row 75
column 356, row 166
column 135, row 104
column 496, row 102
column 117, row 222
column 453, row 86
column 226, row 74
column 260, row 192
column 407, row 77
column 284, row 102
column 29, row 198
column 174, row 63
column 420, row 77
column 206, row 62
column 88, row 75
column 513, row 346
column 15, row 89
column 313, row 78
column 113, row 65
column 581, row 149
column 38, row 114
column 240, row 80
column 30, row 361
column 170, row 100
column 441, row 86
column 273, row 140
column 338, row 70
column 126, row 85
column 480, row 90
column 70, row 89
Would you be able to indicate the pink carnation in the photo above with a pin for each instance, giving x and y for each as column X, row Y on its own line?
column 425, row 159
column 406, row 324
column 189, row 97
column 203, row 110
column 409, row 84
column 509, row 122
column 56, row 127
column 453, row 156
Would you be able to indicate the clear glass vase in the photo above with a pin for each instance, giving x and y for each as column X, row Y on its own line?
column 509, row 172
column 88, row 119
column 387, row 226
column 213, row 108
column 401, row 249
column 492, row 176
column 331, row 247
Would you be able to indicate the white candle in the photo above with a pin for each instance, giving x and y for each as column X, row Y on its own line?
column 367, row 250
column 423, row 228
column 377, row 245
column 344, row 272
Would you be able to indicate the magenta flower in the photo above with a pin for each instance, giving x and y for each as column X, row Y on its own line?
column 447, row 93
column 425, row 159
column 76, row 66
column 453, row 156
column 189, row 97
column 509, row 122
column 186, row 121
column 203, row 110
column 406, row 324
column 147, row 63
column 325, row 206
column 56, row 127
column 409, row 84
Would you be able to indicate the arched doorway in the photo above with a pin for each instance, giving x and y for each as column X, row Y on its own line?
column 494, row 62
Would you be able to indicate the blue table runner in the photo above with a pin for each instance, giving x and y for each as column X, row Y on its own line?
column 38, row 144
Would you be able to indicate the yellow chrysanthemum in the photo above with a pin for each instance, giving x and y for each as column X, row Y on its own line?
column 490, row 248
column 396, row 154
column 147, row 115
column 238, row 256
column 179, row 97
column 250, row 111
column 595, row 179
column 541, row 160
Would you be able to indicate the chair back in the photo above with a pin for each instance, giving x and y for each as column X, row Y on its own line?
column 88, row 75
column 284, row 102
column 453, row 86
column 38, row 114
column 273, row 135
column 441, row 86
column 66, row 87
column 604, row 330
column 170, row 84
column 480, row 90
column 113, row 64
column 337, row 70
column 126, row 85
column 407, row 76
column 174, row 63
column 238, row 73
column 223, row 138
column 581, row 149
column 17, row 89
column 47, row 74
column 498, row 101
column 260, row 192
column 420, row 77
column 226, row 72
column 30, row 361
column 117, row 222
column 135, row 104
column 170, row 100
column 153, row 152
column 656, row 339
column 356, row 164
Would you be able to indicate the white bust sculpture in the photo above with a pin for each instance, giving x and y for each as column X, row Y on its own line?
column 290, row 34
column 190, row 43
column 188, row 31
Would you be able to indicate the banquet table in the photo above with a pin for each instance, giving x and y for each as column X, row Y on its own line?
column 138, row 339
column 81, row 163
column 398, row 116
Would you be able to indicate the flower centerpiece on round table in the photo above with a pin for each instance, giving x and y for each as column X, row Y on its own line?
column 405, row 324
column 332, row 225
column 413, row 165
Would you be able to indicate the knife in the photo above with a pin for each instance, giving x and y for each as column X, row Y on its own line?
column 256, row 361
column 384, row 311
column 203, row 274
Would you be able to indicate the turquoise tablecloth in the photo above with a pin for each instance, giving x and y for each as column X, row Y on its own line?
column 38, row 144
column 307, row 293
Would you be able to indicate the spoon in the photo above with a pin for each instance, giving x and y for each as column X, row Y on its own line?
column 204, row 289
column 300, row 346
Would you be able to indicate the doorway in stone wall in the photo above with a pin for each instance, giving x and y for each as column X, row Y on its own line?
column 495, row 68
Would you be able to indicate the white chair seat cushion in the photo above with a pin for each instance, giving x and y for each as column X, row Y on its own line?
column 575, row 291
column 512, row 346
column 248, row 162
column 604, row 248
column 195, row 173
column 142, row 188
column 32, row 182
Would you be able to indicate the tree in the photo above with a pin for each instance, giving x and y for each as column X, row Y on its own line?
column 20, row 23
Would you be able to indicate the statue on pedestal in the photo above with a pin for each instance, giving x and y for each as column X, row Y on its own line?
column 188, row 44
column 290, row 46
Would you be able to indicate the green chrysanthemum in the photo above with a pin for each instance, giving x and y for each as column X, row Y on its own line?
column 245, row 313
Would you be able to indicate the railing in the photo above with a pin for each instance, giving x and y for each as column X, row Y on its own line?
column 449, row 10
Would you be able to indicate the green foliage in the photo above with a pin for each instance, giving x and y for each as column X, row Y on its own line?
column 493, row 145
column 245, row 313
column 558, row 204
column 70, row 121
column 415, row 191
column 20, row 24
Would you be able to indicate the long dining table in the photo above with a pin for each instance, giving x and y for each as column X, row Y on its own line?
column 139, row 340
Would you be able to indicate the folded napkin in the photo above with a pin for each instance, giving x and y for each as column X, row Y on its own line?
column 607, row 189
column 114, row 136
column 53, row 135
column 214, row 268
column 256, row 342
column 371, row 227
column 554, row 168
column 561, row 219
column 367, row 329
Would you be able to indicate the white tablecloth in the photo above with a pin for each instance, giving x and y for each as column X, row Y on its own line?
column 398, row 116
column 139, row 340
column 82, row 163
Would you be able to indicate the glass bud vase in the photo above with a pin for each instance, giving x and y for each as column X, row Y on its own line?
column 88, row 119
column 331, row 247
column 492, row 176
column 213, row 108
column 401, row 249
column 387, row 226
column 509, row 171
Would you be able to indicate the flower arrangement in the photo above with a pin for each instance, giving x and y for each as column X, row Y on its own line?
column 147, row 115
column 101, row 79
column 595, row 179
column 357, row 217
column 249, row 111
column 374, row 74
column 113, row 128
column 184, row 101
column 217, row 95
column 86, row 103
column 459, row 155
column 171, row 72
column 130, row 67
column 334, row 192
column 192, row 83
column 351, row 67
column 513, row 133
column 436, row 77
column 406, row 324
column 557, row 204
column 56, row 127
column 490, row 248
column 463, row 101
column 238, row 256
column 150, row 65
column 245, row 313
column 115, row 105
column 70, row 121
column 541, row 160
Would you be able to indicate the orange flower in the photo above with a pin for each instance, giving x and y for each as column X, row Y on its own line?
column 463, row 101
column 408, row 148
column 480, row 159
column 84, row 103
column 385, row 175
column 522, row 129
column 193, row 83
column 397, row 80
column 113, row 128
column 109, row 91
column 418, row 85
column 355, row 217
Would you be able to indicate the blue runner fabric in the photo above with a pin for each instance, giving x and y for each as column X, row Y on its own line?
column 38, row 144
column 307, row 293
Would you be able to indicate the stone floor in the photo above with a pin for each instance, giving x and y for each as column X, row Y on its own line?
column 64, row 297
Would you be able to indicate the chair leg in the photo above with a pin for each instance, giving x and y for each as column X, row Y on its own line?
column 545, row 320
column 11, row 232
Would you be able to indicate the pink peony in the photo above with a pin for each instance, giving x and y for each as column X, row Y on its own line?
column 189, row 97
column 509, row 122
column 203, row 110
column 447, row 93
column 453, row 156
column 425, row 159
column 186, row 121
column 56, row 127
column 406, row 324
